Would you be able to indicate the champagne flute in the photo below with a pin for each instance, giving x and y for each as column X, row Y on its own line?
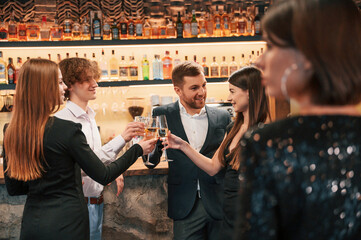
column 163, row 133
column 151, row 131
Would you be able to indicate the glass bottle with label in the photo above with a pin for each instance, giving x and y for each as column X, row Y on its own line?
column 177, row 60
column 257, row 22
column 44, row 30
column 3, row 30
column 12, row 29
column 186, row 26
column 11, row 72
column 114, row 68
column 202, row 26
column 67, row 28
column 249, row 23
column 56, row 32
column 217, row 23
column 242, row 23
column 131, row 28
column 194, row 25
column 85, row 29
column 123, row 26
column 76, row 30
column 147, row 29
column 103, row 65
column 123, row 70
column 157, row 68
column 214, row 68
column 209, row 25
column 22, row 36
column 138, row 27
column 225, row 24
column 17, row 68
column 233, row 66
column 171, row 31
column 179, row 26
column 115, row 30
column 224, row 68
column 3, row 75
column 107, row 29
column 167, row 66
column 233, row 24
column 33, row 31
column 133, row 69
column 205, row 67
column 145, row 68
column 96, row 28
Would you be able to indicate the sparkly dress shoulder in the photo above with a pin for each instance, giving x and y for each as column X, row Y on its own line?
column 301, row 179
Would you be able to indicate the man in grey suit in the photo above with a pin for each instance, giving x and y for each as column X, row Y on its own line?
column 194, row 197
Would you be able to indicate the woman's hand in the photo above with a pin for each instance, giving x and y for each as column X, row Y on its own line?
column 173, row 141
column 148, row 145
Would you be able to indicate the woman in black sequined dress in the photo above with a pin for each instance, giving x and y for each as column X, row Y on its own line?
column 248, row 98
column 301, row 176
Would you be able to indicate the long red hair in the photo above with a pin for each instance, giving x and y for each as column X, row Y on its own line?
column 36, row 98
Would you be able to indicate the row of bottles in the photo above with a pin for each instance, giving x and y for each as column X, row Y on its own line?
column 96, row 27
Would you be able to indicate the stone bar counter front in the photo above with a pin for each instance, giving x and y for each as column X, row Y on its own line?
column 139, row 212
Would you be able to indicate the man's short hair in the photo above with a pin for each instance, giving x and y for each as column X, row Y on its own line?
column 185, row 69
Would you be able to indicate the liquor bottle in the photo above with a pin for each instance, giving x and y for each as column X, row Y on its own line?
column 56, row 32
column 226, row 32
column 3, row 75
column 114, row 68
column 123, row 70
column 250, row 60
column 171, row 31
column 214, row 68
column 12, row 29
column 202, row 26
column 186, row 26
column 179, row 26
column 224, row 68
column 217, row 23
column 138, row 27
column 147, row 30
column 67, row 28
column 131, row 28
column 209, row 25
column 76, row 30
column 195, row 58
column 249, row 23
column 17, row 68
column 11, row 72
column 194, row 25
column 76, row 54
column 96, row 28
column 114, row 30
column 103, row 64
column 163, row 31
column 107, row 29
column 205, row 67
column 33, row 31
column 233, row 24
column 233, row 66
column 85, row 56
column 123, row 26
column 185, row 58
column 85, row 29
column 257, row 22
column 167, row 66
column 44, row 30
column 58, row 58
column 157, row 68
column 177, row 60
column 145, row 68
column 133, row 69
column 22, row 36
column 242, row 23
column 67, row 55
column 3, row 30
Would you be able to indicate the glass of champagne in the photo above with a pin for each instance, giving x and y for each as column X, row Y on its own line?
column 163, row 133
column 151, row 131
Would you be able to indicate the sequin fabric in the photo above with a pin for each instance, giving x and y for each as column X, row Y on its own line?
column 300, row 178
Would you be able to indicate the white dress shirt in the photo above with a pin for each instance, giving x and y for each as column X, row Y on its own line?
column 196, row 128
column 106, row 153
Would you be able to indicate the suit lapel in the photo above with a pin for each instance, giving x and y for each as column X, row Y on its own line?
column 175, row 122
column 212, row 119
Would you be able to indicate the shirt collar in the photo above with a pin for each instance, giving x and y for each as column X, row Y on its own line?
column 184, row 111
column 78, row 111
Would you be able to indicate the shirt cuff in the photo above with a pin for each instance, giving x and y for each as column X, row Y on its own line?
column 116, row 144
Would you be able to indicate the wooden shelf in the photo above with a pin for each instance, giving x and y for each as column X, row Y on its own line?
column 129, row 42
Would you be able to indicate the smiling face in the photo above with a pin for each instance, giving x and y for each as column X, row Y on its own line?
column 84, row 91
column 276, row 62
column 62, row 88
column 239, row 98
column 193, row 93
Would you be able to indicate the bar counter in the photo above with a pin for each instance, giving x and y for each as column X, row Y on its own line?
column 139, row 212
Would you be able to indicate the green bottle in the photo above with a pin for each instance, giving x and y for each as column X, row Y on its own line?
column 145, row 68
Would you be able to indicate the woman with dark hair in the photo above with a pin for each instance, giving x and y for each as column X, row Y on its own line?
column 301, row 176
column 44, row 154
column 250, row 102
